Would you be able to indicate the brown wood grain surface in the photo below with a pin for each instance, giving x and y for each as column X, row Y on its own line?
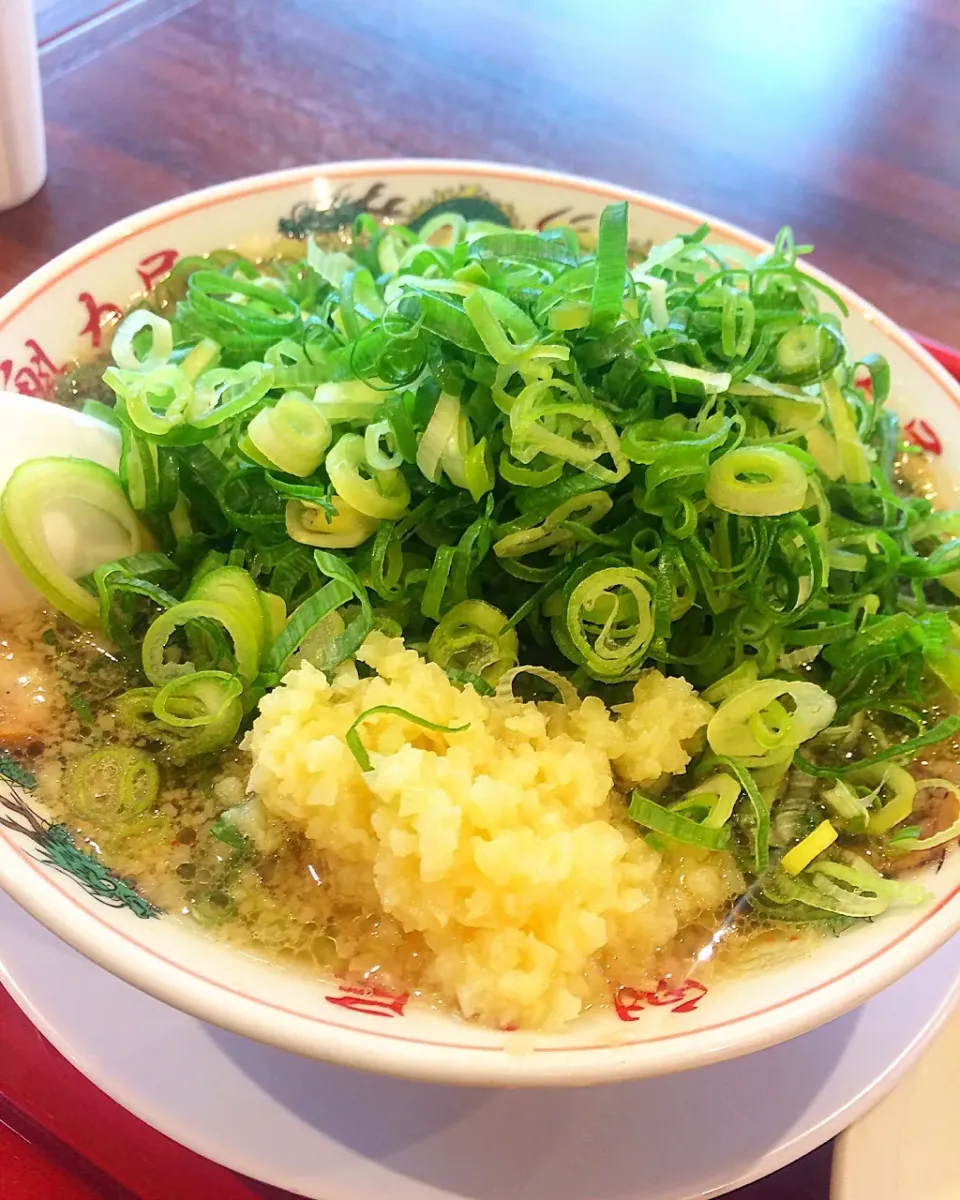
column 839, row 117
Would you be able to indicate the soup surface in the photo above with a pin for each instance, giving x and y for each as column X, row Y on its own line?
column 282, row 896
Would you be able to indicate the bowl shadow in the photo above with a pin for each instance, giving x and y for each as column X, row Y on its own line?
column 485, row 1144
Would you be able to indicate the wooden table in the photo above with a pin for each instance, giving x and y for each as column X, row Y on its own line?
column 839, row 118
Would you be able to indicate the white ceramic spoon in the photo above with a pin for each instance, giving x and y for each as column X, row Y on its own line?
column 82, row 538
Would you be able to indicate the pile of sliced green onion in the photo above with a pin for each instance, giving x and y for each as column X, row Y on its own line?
column 528, row 455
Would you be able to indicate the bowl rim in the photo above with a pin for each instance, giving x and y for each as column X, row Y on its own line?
column 393, row 1053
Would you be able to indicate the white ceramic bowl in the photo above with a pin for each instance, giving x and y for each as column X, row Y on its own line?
column 54, row 315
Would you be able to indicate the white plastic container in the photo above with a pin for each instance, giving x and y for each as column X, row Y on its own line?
column 23, row 155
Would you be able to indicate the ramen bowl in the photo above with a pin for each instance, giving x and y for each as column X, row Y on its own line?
column 59, row 315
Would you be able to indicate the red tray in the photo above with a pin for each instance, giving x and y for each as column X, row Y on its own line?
column 62, row 1138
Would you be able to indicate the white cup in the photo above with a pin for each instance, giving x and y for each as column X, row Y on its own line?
column 23, row 154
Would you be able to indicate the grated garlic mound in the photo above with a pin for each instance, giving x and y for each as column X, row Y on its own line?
column 505, row 845
column 650, row 737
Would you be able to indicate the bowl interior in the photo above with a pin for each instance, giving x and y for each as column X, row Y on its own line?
column 56, row 316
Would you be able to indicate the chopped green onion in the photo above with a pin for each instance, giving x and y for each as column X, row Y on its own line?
column 715, row 797
column 474, row 636
column 611, row 266
column 807, row 352
column 686, row 379
column 756, row 818
column 224, row 830
column 814, row 844
column 377, row 458
column 854, row 461
column 161, row 342
column 818, row 891
column 244, row 634
column 80, row 706
column 79, row 488
column 314, row 526
column 352, row 736
column 203, row 698
column 441, row 428
column 903, row 750
column 135, row 710
column 864, row 878
column 494, row 317
column 292, row 436
column 752, row 722
column 672, row 824
column 566, row 691
column 377, row 494
column 757, row 481
column 113, row 785
column 899, row 806
column 607, row 622
column 847, row 807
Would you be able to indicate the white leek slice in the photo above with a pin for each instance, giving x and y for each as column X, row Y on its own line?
column 60, row 518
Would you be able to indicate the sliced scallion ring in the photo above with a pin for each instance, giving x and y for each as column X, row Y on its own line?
column 113, row 784
column 293, row 435
column 373, row 439
column 376, row 494
column 161, row 342
column 607, row 622
column 900, row 805
column 204, row 698
column 808, row 351
column 313, row 526
column 57, row 509
column 716, row 797
column 474, row 636
column 244, row 634
column 736, row 726
column 757, row 481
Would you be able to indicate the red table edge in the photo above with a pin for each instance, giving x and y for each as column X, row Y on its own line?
column 946, row 356
column 36, row 1163
column 55, row 1125
column 111, row 1166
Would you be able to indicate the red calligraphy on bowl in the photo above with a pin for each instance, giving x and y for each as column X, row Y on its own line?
column 98, row 315
column 34, row 377
column 680, row 998
column 923, row 435
column 156, row 266
column 369, row 1000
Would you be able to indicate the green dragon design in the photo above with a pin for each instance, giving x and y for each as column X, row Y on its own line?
column 343, row 210
column 472, row 203
column 57, row 846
